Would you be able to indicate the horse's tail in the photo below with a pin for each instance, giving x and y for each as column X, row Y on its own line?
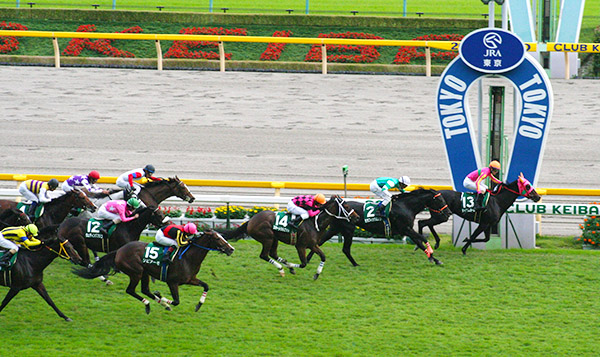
column 235, row 234
column 101, row 267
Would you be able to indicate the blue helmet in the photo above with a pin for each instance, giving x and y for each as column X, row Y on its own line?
column 149, row 169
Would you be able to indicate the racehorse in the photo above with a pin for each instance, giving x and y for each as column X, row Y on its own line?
column 154, row 192
column 129, row 260
column 57, row 209
column 500, row 200
column 28, row 270
column 404, row 208
column 75, row 228
column 260, row 227
column 13, row 217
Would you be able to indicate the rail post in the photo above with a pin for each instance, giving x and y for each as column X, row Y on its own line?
column 277, row 186
column 324, row 58
column 221, row 57
column 427, row 62
column 159, row 58
column 56, row 52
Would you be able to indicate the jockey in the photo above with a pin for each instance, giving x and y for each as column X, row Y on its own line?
column 117, row 211
column 474, row 181
column 304, row 206
column 175, row 235
column 380, row 187
column 125, row 180
column 86, row 183
column 22, row 235
column 37, row 191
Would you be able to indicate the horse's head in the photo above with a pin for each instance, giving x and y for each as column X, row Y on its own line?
column 61, row 247
column 212, row 240
column 336, row 203
column 180, row 189
column 526, row 189
column 13, row 217
column 81, row 200
column 438, row 204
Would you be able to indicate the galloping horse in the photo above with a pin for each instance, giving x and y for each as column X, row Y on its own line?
column 28, row 271
column 74, row 228
column 56, row 210
column 129, row 260
column 500, row 200
column 13, row 217
column 260, row 227
column 154, row 192
column 402, row 216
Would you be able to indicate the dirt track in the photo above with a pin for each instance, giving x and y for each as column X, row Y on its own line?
column 258, row 126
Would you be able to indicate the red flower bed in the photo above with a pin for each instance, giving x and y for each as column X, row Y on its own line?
column 182, row 49
column 406, row 54
column 350, row 54
column 273, row 51
column 10, row 43
column 102, row 46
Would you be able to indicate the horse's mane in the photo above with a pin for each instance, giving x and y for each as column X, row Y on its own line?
column 161, row 182
column 62, row 198
column 48, row 232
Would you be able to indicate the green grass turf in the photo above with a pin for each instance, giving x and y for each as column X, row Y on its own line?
column 503, row 302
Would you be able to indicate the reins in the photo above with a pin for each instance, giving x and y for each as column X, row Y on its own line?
column 62, row 252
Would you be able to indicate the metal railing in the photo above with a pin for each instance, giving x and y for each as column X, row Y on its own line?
column 323, row 42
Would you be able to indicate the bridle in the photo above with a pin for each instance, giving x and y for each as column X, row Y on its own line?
column 438, row 210
column 521, row 187
column 343, row 213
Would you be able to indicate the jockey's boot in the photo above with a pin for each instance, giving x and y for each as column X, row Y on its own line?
column 5, row 260
column 167, row 257
column 294, row 222
column 105, row 226
column 31, row 211
column 479, row 202
column 380, row 211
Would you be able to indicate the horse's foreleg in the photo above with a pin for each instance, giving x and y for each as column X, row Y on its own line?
column 327, row 236
column 198, row 282
column 302, row 252
column 473, row 238
column 423, row 244
column 348, row 236
column 430, row 223
column 133, row 282
column 273, row 254
column 11, row 294
column 41, row 289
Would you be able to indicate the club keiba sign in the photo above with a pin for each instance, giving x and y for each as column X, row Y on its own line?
column 498, row 52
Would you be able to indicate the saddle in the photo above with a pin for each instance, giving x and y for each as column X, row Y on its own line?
column 11, row 262
column 281, row 225
column 24, row 206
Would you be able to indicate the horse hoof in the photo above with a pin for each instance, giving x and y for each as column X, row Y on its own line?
column 157, row 294
column 438, row 262
column 281, row 273
column 147, row 309
column 68, row 319
column 168, row 308
column 109, row 283
column 436, row 246
column 316, row 277
column 198, row 306
column 292, row 271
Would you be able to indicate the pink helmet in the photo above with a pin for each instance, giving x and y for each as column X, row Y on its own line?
column 94, row 175
column 190, row 228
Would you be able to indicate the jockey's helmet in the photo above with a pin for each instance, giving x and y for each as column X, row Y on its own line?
column 405, row 180
column 32, row 229
column 190, row 228
column 133, row 202
column 495, row 165
column 53, row 184
column 94, row 175
column 149, row 169
column 319, row 197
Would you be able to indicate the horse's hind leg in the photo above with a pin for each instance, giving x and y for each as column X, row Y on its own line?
column 133, row 282
column 423, row 244
column 348, row 236
column 41, row 289
column 430, row 223
column 274, row 255
column 264, row 255
column 156, row 295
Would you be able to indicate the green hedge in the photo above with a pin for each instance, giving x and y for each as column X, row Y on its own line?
column 237, row 19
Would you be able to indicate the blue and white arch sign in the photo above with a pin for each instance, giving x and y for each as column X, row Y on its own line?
column 499, row 52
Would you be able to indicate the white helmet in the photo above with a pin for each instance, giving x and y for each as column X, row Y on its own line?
column 404, row 180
